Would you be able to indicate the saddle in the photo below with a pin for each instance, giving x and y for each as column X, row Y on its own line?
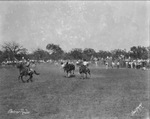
column 28, row 70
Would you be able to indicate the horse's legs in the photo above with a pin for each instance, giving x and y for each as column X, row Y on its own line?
column 73, row 71
column 82, row 75
column 30, row 78
column 86, row 75
column 22, row 78
column 19, row 77
column 67, row 73
column 89, row 73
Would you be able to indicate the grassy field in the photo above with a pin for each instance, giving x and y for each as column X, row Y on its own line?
column 108, row 94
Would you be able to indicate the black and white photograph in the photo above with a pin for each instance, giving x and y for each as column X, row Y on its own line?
column 74, row 59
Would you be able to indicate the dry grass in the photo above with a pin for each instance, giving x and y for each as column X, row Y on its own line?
column 108, row 94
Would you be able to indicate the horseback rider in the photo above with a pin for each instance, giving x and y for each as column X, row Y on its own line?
column 26, row 64
column 85, row 63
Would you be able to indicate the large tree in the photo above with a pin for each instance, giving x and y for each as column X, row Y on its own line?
column 40, row 54
column 118, row 53
column 1, row 56
column 148, row 49
column 13, row 50
column 88, row 53
column 103, row 54
column 138, row 52
column 76, row 53
column 55, row 51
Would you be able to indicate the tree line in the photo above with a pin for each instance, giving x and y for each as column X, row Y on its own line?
column 14, row 51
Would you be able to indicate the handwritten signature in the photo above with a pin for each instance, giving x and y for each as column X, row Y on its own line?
column 137, row 109
column 21, row 111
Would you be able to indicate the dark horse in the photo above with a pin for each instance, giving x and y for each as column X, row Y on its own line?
column 26, row 71
column 68, row 68
column 84, row 70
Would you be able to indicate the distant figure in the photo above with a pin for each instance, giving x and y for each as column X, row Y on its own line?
column 131, row 63
column 106, row 65
column 118, row 64
column 63, row 65
column 113, row 64
column 79, row 63
column 96, row 63
column 23, row 60
column 127, row 64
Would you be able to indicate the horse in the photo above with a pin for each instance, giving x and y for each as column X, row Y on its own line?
column 68, row 68
column 26, row 71
column 84, row 70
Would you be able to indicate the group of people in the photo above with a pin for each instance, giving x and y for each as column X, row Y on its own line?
column 137, row 64
column 113, row 64
column 83, row 62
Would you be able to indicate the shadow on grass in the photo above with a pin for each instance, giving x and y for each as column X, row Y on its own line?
column 71, row 76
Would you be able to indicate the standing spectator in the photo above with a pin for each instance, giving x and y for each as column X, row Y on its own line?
column 113, row 64
column 127, row 64
column 96, row 63
column 118, row 64
column 131, row 63
column 106, row 65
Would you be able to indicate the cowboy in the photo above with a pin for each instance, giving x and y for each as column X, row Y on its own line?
column 23, row 60
column 28, row 65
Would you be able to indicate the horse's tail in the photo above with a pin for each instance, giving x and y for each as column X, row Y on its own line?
column 36, row 73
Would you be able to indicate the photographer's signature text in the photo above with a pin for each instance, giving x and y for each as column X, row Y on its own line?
column 21, row 111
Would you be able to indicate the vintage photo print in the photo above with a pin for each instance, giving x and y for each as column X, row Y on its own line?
column 74, row 59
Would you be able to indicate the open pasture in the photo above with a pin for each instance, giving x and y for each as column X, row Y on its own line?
column 108, row 94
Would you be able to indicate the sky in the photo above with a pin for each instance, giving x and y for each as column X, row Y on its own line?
column 101, row 25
